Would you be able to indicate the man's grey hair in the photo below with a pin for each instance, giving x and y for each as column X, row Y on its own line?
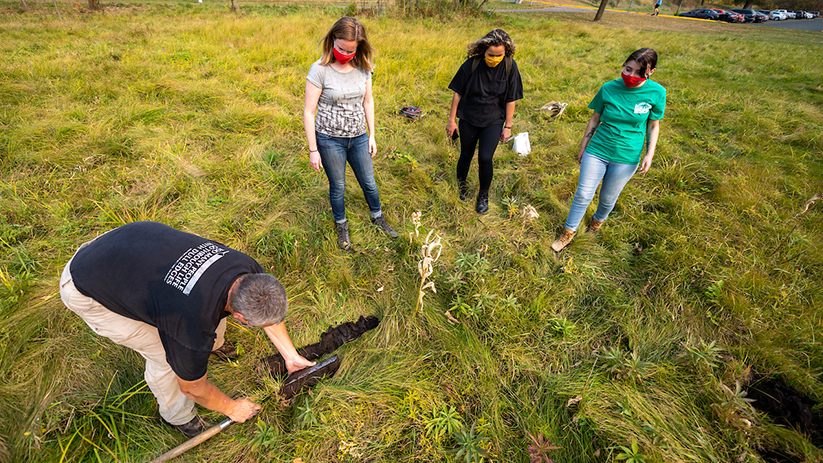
column 260, row 298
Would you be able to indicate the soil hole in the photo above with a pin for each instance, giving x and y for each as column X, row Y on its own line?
column 788, row 406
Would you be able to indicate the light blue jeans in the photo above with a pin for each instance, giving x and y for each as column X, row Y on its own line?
column 334, row 153
column 593, row 169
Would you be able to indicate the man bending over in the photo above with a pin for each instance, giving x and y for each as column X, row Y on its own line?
column 165, row 294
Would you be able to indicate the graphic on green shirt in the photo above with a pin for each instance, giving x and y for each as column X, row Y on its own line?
column 624, row 112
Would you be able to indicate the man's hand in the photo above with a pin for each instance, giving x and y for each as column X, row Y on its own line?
column 281, row 340
column 207, row 395
column 243, row 409
column 297, row 364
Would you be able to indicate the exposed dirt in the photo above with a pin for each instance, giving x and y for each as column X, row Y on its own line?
column 776, row 456
column 787, row 406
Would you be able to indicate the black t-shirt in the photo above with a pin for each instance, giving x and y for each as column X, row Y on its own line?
column 484, row 93
column 175, row 281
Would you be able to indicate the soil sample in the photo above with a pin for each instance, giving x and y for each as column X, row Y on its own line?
column 330, row 341
column 308, row 377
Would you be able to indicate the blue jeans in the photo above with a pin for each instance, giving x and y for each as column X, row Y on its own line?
column 593, row 169
column 334, row 153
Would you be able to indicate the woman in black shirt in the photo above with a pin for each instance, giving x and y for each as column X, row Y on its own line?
column 484, row 97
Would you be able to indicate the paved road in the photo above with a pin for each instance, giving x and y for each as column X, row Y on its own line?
column 815, row 24
column 555, row 9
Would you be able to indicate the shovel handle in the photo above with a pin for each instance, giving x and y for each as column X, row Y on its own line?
column 193, row 442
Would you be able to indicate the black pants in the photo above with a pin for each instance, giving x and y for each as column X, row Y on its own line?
column 488, row 137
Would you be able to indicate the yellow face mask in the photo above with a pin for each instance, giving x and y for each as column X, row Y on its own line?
column 492, row 61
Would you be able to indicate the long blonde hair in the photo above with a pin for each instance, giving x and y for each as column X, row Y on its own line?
column 349, row 29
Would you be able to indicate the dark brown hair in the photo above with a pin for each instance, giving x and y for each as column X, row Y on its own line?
column 646, row 58
column 492, row 39
column 349, row 29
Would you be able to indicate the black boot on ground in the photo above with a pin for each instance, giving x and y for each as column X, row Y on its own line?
column 463, row 191
column 193, row 427
column 482, row 202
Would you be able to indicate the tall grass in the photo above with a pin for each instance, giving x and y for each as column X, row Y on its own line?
column 191, row 116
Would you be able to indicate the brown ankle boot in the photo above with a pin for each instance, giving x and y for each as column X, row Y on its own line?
column 594, row 225
column 563, row 240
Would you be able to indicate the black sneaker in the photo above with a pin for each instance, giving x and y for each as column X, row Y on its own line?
column 193, row 427
column 226, row 352
column 482, row 202
column 343, row 235
column 380, row 222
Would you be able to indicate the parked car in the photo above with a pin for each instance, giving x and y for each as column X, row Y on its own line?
column 702, row 13
column 750, row 15
column 789, row 14
column 773, row 15
column 802, row 15
column 729, row 16
column 815, row 14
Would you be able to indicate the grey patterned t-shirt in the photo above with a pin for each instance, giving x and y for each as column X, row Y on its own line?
column 340, row 110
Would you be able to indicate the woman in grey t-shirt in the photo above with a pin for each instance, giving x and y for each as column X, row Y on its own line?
column 338, row 110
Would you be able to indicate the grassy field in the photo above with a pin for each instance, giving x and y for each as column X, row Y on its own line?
column 707, row 276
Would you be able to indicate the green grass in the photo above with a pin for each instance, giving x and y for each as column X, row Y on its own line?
column 192, row 116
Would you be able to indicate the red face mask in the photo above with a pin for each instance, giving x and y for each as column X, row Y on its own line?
column 340, row 57
column 632, row 81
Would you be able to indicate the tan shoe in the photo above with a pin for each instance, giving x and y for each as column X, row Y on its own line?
column 563, row 240
column 594, row 225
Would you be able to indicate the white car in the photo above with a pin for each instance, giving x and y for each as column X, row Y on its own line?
column 777, row 16
column 788, row 14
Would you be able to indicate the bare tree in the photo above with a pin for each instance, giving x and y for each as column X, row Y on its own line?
column 601, row 10
column 25, row 7
column 233, row 6
column 57, row 10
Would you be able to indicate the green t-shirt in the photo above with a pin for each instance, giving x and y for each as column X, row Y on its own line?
column 624, row 112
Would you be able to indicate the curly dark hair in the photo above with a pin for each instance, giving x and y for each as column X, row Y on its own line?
column 492, row 39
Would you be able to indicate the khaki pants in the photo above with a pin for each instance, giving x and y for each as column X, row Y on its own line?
column 143, row 338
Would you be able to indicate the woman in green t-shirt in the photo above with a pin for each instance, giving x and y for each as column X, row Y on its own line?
column 627, row 112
